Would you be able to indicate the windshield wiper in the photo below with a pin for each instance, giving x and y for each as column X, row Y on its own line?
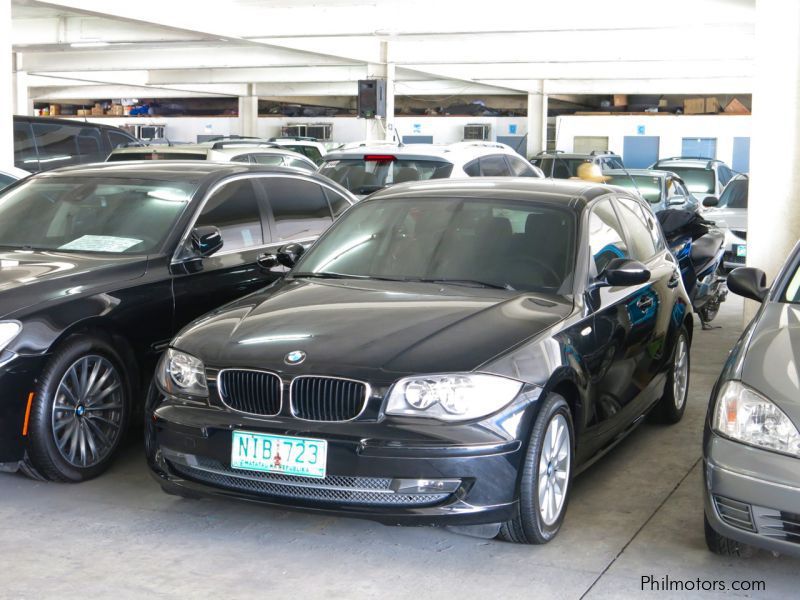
column 474, row 282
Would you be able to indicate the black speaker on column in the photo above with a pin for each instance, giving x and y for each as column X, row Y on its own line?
column 371, row 98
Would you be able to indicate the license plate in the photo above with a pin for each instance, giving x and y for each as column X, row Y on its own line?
column 299, row 457
column 741, row 250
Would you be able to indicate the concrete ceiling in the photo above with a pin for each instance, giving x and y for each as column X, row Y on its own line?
column 322, row 47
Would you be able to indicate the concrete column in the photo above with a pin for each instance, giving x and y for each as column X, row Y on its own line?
column 773, row 218
column 248, row 112
column 6, row 87
column 388, row 122
column 537, row 121
column 23, row 104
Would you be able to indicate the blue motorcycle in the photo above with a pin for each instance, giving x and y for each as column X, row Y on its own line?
column 699, row 247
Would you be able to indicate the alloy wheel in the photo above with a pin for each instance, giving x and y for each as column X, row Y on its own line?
column 87, row 411
column 554, row 469
column 680, row 372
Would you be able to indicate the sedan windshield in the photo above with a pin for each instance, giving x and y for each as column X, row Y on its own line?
column 371, row 173
column 109, row 215
column 699, row 181
column 479, row 243
column 647, row 185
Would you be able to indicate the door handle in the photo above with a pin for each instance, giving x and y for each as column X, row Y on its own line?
column 644, row 302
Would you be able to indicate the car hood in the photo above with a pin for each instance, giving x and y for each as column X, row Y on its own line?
column 373, row 330
column 29, row 278
column 730, row 218
column 772, row 362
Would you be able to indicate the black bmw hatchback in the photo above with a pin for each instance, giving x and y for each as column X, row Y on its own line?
column 447, row 353
column 101, row 265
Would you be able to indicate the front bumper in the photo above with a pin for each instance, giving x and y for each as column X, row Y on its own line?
column 752, row 495
column 465, row 475
column 18, row 376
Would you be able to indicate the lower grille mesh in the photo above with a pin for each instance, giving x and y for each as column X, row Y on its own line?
column 734, row 513
column 368, row 491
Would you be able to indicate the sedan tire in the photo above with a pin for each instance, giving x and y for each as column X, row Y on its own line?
column 672, row 405
column 546, row 476
column 724, row 546
column 79, row 413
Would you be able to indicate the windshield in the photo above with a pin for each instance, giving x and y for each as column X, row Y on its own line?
column 362, row 176
column 109, row 215
column 734, row 195
column 483, row 243
column 699, row 181
column 649, row 187
column 560, row 168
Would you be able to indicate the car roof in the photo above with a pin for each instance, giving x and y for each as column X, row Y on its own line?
column 587, row 155
column 570, row 193
column 640, row 172
column 54, row 121
column 454, row 152
column 691, row 162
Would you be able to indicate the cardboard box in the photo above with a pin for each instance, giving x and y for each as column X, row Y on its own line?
column 734, row 107
column 97, row 111
column 712, row 105
column 620, row 99
column 82, row 112
column 116, row 110
column 694, row 106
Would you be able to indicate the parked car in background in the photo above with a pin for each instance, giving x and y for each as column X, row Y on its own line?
column 102, row 265
column 729, row 212
column 751, row 444
column 241, row 151
column 565, row 165
column 366, row 170
column 447, row 353
column 41, row 144
column 661, row 189
column 703, row 176
column 9, row 175
column 307, row 146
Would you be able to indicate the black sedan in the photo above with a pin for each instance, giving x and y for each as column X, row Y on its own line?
column 101, row 265
column 447, row 353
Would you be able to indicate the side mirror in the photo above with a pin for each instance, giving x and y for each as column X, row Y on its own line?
column 289, row 254
column 748, row 282
column 710, row 201
column 677, row 200
column 624, row 271
column 206, row 240
column 267, row 261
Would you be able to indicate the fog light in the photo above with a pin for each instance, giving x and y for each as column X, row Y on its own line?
column 425, row 486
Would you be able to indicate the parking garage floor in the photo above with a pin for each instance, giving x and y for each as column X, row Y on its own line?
column 637, row 512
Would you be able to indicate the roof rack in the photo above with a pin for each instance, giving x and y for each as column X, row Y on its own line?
column 602, row 152
column 294, row 138
column 247, row 143
column 546, row 152
column 476, row 144
column 221, row 138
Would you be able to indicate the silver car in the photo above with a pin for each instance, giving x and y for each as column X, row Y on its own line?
column 751, row 444
column 729, row 213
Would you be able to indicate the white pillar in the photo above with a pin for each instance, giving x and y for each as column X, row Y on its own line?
column 248, row 113
column 388, row 122
column 6, row 87
column 537, row 121
column 773, row 218
column 23, row 104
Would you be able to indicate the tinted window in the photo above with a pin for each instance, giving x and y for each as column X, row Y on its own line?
column 519, row 167
column 700, row 180
column 370, row 173
column 494, row 166
column 647, row 185
column 92, row 214
column 242, row 158
column 300, row 164
column 299, row 208
column 117, row 139
column 612, row 163
column 725, row 174
column 267, row 159
column 150, row 155
column 62, row 145
column 234, row 210
column 561, row 168
column 24, row 151
column 468, row 242
column 5, row 180
column 734, row 195
column 338, row 203
column 641, row 240
column 473, row 169
column 606, row 241
column 310, row 151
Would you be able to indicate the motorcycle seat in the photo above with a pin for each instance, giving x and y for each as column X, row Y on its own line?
column 706, row 247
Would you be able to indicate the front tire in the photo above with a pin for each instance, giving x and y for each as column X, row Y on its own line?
column 672, row 405
column 546, row 476
column 79, row 413
column 725, row 546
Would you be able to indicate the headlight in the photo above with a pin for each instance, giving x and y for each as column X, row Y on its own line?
column 451, row 397
column 745, row 415
column 182, row 374
column 8, row 331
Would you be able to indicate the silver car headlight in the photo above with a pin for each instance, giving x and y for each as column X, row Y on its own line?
column 744, row 415
column 451, row 397
column 182, row 374
column 8, row 331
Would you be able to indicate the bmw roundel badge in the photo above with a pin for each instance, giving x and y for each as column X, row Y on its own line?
column 295, row 357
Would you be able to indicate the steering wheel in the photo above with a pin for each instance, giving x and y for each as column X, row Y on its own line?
column 527, row 262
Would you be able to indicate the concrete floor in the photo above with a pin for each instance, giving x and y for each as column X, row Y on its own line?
column 637, row 512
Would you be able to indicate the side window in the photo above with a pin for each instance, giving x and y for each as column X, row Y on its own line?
column 494, row 166
column 725, row 174
column 57, row 144
column 300, row 164
column 312, row 153
column 117, row 139
column 473, row 169
column 267, row 159
column 641, row 241
column 519, row 167
column 24, row 151
column 606, row 241
column 90, row 145
column 338, row 203
column 613, row 163
column 242, row 158
column 5, row 180
column 299, row 207
column 234, row 210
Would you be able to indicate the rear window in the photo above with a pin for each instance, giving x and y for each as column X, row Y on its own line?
column 369, row 174
column 560, row 168
column 123, row 156
column 699, row 181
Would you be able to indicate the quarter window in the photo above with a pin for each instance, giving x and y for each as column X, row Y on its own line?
column 234, row 210
column 338, row 203
column 641, row 240
column 494, row 166
column 519, row 167
column 299, row 208
column 117, row 139
column 606, row 241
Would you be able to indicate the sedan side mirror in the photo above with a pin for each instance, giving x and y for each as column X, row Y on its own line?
column 289, row 254
column 206, row 240
column 624, row 271
column 748, row 282
column 710, row 201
